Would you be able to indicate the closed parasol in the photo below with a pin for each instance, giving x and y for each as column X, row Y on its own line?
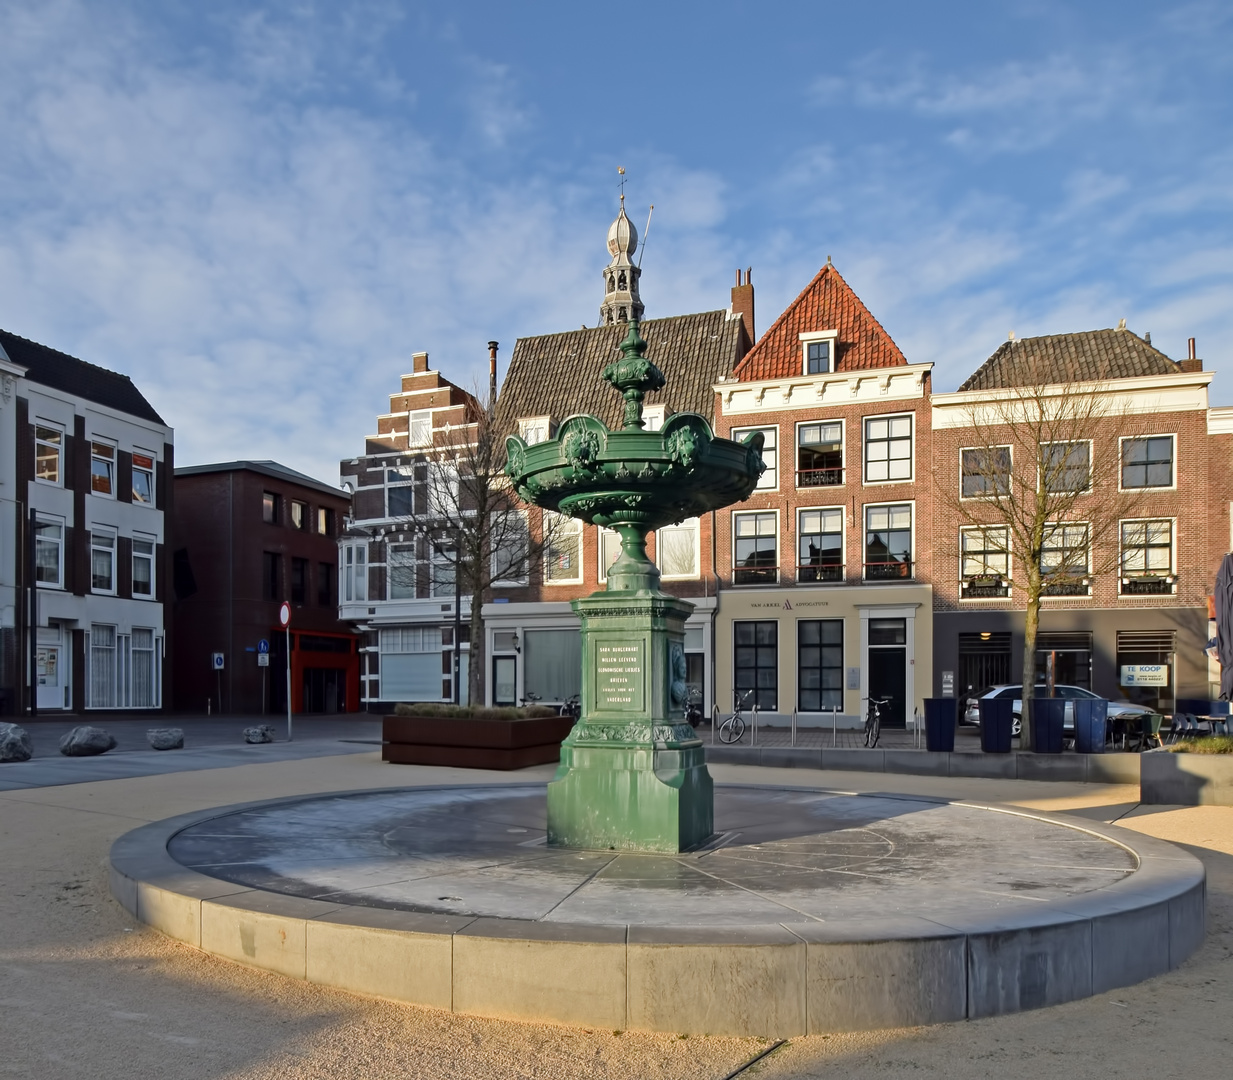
column 1224, row 624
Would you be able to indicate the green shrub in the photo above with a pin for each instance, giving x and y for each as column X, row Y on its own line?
column 472, row 712
column 1213, row 744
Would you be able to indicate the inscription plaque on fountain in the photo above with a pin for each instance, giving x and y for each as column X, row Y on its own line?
column 620, row 677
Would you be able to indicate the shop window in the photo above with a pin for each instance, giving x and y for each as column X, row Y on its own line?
column 756, row 663
column 819, row 664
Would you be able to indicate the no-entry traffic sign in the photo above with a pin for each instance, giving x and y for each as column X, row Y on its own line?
column 284, row 615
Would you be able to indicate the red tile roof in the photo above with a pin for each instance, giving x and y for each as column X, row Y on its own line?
column 827, row 303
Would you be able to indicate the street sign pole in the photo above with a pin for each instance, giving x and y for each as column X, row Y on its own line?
column 284, row 617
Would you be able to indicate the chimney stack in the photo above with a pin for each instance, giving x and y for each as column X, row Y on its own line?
column 492, row 375
column 1191, row 363
column 743, row 302
column 419, row 363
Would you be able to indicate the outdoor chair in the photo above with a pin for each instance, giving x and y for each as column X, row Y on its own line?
column 1149, row 732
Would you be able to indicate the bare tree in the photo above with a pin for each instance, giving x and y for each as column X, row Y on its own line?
column 1038, row 503
column 465, row 528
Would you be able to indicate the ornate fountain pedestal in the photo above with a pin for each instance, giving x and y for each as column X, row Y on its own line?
column 633, row 775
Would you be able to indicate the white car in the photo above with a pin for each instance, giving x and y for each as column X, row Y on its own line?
column 1117, row 709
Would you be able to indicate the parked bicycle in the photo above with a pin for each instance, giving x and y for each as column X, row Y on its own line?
column 693, row 707
column 733, row 728
column 572, row 707
column 873, row 720
column 529, row 699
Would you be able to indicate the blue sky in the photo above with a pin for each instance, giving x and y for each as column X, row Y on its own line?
column 260, row 211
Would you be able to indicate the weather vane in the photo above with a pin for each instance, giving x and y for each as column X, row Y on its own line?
column 621, row 172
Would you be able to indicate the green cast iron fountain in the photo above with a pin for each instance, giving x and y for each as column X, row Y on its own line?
column 633, row 774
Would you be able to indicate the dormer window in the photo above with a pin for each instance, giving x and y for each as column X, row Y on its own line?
column 818, row 352
column 653, row 417
column 535, row 429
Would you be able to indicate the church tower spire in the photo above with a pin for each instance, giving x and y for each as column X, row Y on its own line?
column 621, row 300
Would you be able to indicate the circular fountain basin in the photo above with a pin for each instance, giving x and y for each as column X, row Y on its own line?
column 809, row 911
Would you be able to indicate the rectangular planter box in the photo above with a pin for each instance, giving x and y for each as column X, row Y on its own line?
column 473, row 744
column 1186, row 779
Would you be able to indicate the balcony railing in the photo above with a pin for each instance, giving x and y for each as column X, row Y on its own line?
column 888, row 571
column 828, row 572
column 819, row 477
column 1067, row 587
column 985, row 587
column 755, row 575
column 1149, row 585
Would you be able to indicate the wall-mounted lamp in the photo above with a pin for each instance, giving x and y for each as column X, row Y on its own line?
column 985, row 635
column 517, row 644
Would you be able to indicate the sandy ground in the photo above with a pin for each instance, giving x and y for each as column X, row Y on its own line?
column 86, row 992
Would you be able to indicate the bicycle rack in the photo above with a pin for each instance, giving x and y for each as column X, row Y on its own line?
column 834, row 726
column 793, row 743
column 753, row 741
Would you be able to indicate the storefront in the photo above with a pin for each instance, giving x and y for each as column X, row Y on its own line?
column 820, row 652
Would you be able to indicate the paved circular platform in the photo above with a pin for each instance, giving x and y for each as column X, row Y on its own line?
column 809, row 911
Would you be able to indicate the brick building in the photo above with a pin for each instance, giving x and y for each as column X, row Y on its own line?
column 250, row 535
column 84, row 514
column 532, row 633
column 397, row 591
column 1148, row 530
column 826, row 568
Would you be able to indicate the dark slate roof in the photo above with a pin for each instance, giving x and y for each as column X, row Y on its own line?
column 265, row 468
column 59, row 371
column 1092, row 355
column 826, row 303
column 558, row 375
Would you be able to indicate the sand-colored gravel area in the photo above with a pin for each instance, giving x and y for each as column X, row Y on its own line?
column 87, row 992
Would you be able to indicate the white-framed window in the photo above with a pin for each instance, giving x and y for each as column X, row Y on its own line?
column 48, row 454
column 401, row 482
column 769, row 480
column 562, row 549
column 535, row 429
column 144, row 681
column 818, row 352
column 819, row 453
column 103, row 469
column 143, row 566
column 411, row 639
column 676, row 550
column 143, row 477
column 819, row 537
column 984, row 471
column 49, row 551
column 511, row 543
column 103, row 682
column 419, row 428
column 755, row 547
column 355, row 572
column 1147, row 558
column 888, row 542
column 443, row 572
column 652, row 417
column 1148, row 462
column 984, row 562
column 888, row 449
column 609, row 548
column 411, row 663
column 1066, row 467
column 102, row 559
column 1065, row 559
column 400, row 571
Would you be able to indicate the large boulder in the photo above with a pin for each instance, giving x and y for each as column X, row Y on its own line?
column 166, row 738
column 86, row 741
column 15, row 743
column 259, row 733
